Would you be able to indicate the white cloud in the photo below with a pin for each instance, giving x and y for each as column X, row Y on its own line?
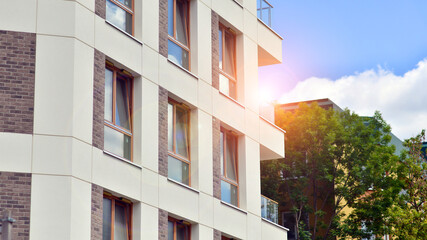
column 402, row 100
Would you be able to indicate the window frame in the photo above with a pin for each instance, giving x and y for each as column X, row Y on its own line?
column 175, row 104
column 187, row 29
column 175, row 222
column 126, row 9
column 231, row 78
column 128, row 205
column 116, row 71
column 224, row 178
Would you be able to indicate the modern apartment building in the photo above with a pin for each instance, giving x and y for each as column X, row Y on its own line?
column 135, row 119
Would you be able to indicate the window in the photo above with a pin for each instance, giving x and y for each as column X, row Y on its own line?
column 225, row 238
column 118, row 113
column 178, row 230
column 229, row 168
column 116, row 218
column 120, row 14
column 178, row 30
column 178, row 142
column 227, row 62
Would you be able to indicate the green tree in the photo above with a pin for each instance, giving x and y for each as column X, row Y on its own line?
column 408, row 216
column 332, row 160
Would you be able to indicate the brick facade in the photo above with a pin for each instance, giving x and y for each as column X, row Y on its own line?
column 100, row 6
column 163, row 28
column 216, row 134
column 215, row 50
column 96, row 212
column 163, row 224
column 216, row 235
column 163, row 132
column 98, row 100
column 15, row 195
column 17, row 78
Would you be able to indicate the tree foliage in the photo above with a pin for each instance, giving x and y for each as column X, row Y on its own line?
column 334, row 161
column 408, row 216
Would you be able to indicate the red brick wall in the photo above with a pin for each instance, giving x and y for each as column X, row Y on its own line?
column 215, row 50
column 100, row 8
column 216, row 128
column 15, row 195
column 98, row 100
column 163, row 28
column 163, row 224
column 163, row 132
column 17, row 75
column 96, row 212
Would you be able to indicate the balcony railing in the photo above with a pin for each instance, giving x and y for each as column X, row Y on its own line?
column 269, row 209
column 264, row 11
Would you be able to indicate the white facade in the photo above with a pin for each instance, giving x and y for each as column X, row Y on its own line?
column 60, row 155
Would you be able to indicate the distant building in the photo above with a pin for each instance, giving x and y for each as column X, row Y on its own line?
column 424, row 150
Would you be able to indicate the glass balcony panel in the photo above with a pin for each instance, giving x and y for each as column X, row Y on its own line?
column 264, row 11
column 269, row 209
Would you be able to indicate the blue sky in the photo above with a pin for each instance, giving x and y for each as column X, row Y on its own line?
column 334, row 38
column 351, row 51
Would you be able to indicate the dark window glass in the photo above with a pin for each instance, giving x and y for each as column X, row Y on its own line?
column 116, row 220
column 178, row 143
column 178, row 30
column 106, row 219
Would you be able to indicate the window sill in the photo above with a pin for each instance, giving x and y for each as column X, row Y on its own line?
column 183, row 185
column 238, row 3
column 232, row 99
column 275, row 224
column 127, row 34
column 185, row 70
column 234, row 207
column 122, row 159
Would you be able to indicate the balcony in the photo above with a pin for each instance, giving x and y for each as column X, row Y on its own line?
column 269, row 42
column 269, row 209
column 264, row 11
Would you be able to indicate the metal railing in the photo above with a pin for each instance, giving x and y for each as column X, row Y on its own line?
column 264, row 11
column 269, row 209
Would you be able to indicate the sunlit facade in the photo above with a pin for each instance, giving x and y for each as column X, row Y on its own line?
column 135, row 119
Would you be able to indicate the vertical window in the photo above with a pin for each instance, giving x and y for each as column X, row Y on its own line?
column 179, row 142
column 229, row 168
column 178, row 30
column 178, row 230
column 120, row 14
column 227, row 62
column 118, row 113
column 116, row 218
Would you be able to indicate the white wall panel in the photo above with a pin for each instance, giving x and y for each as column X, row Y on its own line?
column 16, row 152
